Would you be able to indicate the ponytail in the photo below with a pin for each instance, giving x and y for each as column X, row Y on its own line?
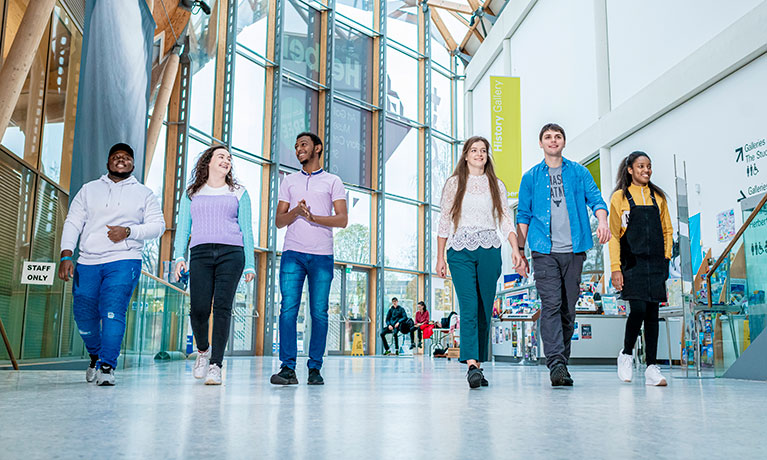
column 623, row 180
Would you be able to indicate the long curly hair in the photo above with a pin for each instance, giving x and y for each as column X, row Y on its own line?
column 624, row 177
column 462, row 172
column 200, row 172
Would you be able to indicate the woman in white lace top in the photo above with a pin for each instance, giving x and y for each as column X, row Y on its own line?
column 474, row 210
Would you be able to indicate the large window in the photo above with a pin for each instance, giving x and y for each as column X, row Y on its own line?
column 441, row 103
column 353, row 63
column 402, row 87
column 299, row 107
column 351, row 151
column 352, row 244
column 401, row 235
column 301, row 40
column 359, row 11
column 249, row 173
column 403, row 286
column 252, row 24
column 441, row 167
column 401, row 160
column 248, row 106
column 442, row 298
column 202, row 46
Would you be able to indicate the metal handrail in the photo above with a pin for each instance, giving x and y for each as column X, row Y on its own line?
column 729, row 247
column 163, row 282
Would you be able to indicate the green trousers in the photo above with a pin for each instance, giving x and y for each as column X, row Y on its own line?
column 475, row 274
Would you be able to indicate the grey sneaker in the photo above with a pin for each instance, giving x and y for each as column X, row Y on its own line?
column 201, row 364
column 214, row 375
column 90, row 374
column 105, row 376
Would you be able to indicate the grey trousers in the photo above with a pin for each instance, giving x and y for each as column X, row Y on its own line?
column 557, row 279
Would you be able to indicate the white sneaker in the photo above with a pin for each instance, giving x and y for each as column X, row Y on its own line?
column 652, row 376
column 105, row 377
column 214, row 375
column 201, row 364
column 625, row 367
column 90, row 374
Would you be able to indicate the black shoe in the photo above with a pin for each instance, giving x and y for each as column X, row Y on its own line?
column 568, row 378
column 474, row 377
column 286, row 376
column 412, row 346
column 558, row 375
column 315, row 378
column 386, row 352
column 484, row 381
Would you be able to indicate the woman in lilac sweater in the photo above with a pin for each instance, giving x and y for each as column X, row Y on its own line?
column 215, row 212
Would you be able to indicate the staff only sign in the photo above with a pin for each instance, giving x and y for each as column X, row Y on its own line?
column 38, row 273
column 506, row 131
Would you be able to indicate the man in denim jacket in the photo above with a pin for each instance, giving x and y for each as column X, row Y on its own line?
column 552, row 216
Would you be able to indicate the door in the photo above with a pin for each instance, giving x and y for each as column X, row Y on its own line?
column 348, row 310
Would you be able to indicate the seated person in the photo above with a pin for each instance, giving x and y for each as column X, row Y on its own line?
column 421, row 321
column 395, row 318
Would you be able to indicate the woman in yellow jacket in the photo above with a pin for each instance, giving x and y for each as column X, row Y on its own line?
column 640, row 249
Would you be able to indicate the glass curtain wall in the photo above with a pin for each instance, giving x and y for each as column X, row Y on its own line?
column 35, row 161
column 323, row 58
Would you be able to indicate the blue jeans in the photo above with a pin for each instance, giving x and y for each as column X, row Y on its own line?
column 294, row 268
column 101, row 294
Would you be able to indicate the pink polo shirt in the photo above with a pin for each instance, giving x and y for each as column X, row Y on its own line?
column 320, row 189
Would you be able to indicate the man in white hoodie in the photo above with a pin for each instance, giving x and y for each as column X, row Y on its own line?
column 112, row 216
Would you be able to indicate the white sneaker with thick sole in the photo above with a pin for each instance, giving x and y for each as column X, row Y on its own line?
column 214, row 375
column 201, row 364
column 625, row 367
column 90, row 374
column 652, row 376
column 105, row 378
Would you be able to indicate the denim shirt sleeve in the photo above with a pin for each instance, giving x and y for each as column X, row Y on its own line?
column 525, row 203
column 593, row 195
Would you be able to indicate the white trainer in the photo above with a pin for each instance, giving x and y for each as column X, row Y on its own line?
column 652, row 376
column 214, row 375
column 625, row 367
column 90, row 374
column 201, row 364
column 105, row 377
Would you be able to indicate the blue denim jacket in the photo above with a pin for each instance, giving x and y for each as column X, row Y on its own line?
column 534, row 207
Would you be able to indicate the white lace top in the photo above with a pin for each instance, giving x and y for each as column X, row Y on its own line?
column 476, row 227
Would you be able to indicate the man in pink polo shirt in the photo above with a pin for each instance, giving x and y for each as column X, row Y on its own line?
column 311, row 203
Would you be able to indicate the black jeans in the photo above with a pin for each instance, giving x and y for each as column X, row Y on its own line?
column 395, row 331
column 214, row 272
column 558, row 280
column 412, row 334
column 647, row 312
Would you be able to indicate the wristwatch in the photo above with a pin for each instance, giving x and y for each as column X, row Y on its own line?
column 127, row 232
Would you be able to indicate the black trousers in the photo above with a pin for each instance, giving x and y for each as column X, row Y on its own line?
column 412, row 334
column 647, row 312
column 395, row 331
column 214, row 272
column 558, row 279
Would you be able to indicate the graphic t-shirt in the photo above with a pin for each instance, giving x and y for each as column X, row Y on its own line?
column 561, row 240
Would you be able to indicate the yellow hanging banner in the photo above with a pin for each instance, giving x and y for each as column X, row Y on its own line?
column 506, row 131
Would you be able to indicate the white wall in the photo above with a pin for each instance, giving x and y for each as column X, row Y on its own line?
column 480, row 123
column 705, row 133
column 648, row 38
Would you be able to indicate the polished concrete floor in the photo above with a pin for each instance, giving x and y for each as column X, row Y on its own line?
column 370, row 408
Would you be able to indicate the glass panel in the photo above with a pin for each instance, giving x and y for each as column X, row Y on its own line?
column 18, row 182
column 401, row 235
column 402, row 23
column 357, row 286
column 403, row 286
column 248, row 106
column 434, row 225
column 351, row 151
column 249, row 174
column 442, row 300
column 441, row 167
column 60, row 107
column 441, row 107
column 335, row 319
column 360, row 11
column 353, row 63
column 194, row 149
column 23, row 134
column 303, row 328
column 594, row 258
column 439, row 51
column 202, row 50
column 298, row 113
column 301, row 40
column 44, row 303
column 243, row 318
column 401, row 160
column 459, row 113
column 402, row 78
column 155, row 180
column 252, row 25
column 352, row 244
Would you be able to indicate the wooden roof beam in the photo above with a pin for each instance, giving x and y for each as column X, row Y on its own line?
column 450, row 6
column 442, row 28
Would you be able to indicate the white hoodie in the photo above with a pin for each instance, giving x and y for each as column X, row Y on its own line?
column 103, row 202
